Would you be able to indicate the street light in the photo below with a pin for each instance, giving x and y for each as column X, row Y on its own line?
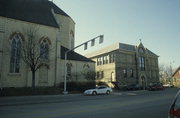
column 101, row 38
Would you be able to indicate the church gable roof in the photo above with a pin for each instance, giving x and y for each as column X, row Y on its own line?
column 35, row 11
column 73, row 55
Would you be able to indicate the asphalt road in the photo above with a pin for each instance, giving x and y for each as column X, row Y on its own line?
column 130, row 104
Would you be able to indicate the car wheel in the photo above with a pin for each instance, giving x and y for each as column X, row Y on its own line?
column 107, row 92
column 94, row 93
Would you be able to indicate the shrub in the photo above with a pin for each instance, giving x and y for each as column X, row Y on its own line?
column 29, row 91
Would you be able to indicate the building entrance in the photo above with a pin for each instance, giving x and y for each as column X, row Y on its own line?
column 143, row 82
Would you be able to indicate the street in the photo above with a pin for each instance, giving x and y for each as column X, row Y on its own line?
column 129, row 104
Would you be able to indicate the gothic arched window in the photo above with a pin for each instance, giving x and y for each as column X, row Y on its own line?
column 44, row 49
column 15, row 53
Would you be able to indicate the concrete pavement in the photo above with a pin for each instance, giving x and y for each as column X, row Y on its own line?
column 129, row 104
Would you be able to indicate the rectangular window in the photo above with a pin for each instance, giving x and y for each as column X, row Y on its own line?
column 132, row 72
column 101, row 60
column 100, row 74
column 105, row 59
column 142, row 63
column 98, row 61
column 85, row 46
column 111, row 58
column 125, row 73
column 92, row 42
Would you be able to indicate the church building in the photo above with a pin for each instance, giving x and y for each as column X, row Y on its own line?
column 55, row 35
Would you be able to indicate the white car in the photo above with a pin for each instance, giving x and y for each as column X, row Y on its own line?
column 98, row 90
column 168, row 85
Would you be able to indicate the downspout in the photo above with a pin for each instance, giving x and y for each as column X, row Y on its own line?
column 2, row 30
column 1, row 53
column 55, row 64
column 56, row 58
column 56, row 46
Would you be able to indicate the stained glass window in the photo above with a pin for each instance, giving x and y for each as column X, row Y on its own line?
column 15, row 54
column 44, row 50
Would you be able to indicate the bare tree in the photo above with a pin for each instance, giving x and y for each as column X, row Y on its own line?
column 165, row 73
column 31, row 52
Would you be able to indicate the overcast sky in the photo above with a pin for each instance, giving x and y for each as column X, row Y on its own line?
column 156, row 22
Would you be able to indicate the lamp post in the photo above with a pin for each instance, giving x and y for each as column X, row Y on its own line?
column 101, row 38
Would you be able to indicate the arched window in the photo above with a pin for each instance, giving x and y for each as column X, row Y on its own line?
column 44, row 49
column 15, row 53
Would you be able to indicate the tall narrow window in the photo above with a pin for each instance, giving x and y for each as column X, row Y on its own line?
column 125, row 73
column 100, row 74
column 105, row 59
column 15, row 54
column 132, row 72
column 99, row 61
column 111, row 58
column 44, row 49
column 142, row 63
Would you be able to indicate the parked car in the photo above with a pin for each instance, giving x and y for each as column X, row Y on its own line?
column 168, row 86
column 134, row 87
column 98, row 90
column 155, row 86
column 174, row 111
